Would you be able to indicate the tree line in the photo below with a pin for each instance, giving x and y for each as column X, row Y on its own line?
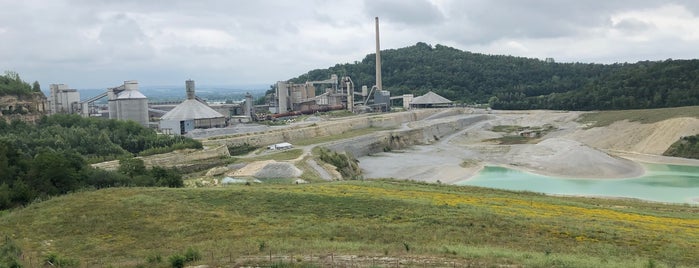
column 12, row 84
column 52, row 157
column 508, row 82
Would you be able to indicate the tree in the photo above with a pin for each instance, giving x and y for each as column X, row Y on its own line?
column 36, row 87
column 54, row 173
column 132, row 167
column 166, row 177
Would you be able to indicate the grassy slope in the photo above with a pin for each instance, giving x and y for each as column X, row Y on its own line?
column 374, row 218
column 646, row 116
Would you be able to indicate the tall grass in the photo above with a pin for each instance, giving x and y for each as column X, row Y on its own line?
column 467, row 225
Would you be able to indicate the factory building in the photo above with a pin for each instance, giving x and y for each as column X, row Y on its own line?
column 63, row 99
column 127, row 103
column 190, row 114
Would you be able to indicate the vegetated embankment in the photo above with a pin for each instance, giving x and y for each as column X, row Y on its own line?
column 321, row 224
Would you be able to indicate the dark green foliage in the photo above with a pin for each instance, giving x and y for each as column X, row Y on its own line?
column 166, row 177
column 132, row 167
column 241, row 149
column 12, row 84
column 135, row 169
column 93, row 137
column 687, row 147
column 507, row 82
column 346, row 164
column 51, row 158
column 177, row 261
column 99, row 178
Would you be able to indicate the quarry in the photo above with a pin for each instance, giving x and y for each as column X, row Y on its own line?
column 444, row 146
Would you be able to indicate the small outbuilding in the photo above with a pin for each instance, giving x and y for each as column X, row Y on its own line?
column 281, row 146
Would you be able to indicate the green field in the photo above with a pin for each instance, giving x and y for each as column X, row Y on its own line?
column 362, row 223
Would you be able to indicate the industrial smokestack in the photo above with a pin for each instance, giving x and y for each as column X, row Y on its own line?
column 189, row 86
column 378, row 57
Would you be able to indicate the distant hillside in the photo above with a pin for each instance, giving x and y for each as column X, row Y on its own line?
column 508, row 82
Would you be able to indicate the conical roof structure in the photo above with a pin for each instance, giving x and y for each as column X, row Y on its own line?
column 430, row 98
column 191, row 109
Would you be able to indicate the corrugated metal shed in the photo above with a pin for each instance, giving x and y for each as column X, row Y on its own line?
column 430, row 98
column 191, row 109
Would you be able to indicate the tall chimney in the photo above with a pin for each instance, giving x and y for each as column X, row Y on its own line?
column 378, row 58
column 189, row 86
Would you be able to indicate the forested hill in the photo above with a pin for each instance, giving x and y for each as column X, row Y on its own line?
column 508, row 82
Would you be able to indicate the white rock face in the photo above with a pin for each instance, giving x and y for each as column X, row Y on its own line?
column 557, row 156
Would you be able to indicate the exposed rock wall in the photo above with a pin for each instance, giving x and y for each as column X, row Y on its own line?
column 424, row 132
column 173, row 159
column 28, row 108
column 327, row 128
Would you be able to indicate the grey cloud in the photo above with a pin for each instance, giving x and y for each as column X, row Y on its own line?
column 482, row 21
column 632, row 26
column 102, row 41
column 409, row 13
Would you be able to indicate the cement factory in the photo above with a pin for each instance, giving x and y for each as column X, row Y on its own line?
column 126, row 102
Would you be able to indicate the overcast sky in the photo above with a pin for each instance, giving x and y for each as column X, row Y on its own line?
column 101, row 43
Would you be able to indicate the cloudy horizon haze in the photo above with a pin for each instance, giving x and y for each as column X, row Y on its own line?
column 101, row 43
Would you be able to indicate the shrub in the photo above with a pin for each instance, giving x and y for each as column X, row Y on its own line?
column 177, row 261
column 241, row 149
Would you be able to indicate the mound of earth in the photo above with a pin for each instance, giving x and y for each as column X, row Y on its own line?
column 635, row 137
column 278, row 170
column 268, row 169
column 568, row 158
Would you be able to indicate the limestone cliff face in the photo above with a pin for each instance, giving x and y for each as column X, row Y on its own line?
column 28, row 108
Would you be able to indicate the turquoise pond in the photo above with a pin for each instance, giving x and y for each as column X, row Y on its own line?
column 661, row 183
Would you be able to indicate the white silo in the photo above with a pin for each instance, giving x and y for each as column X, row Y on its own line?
column 128, row 103
column 189, row 87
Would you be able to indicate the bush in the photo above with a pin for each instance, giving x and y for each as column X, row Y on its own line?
column 191, row 255
column 177, row 261
column 241, row 149
column 167, row 177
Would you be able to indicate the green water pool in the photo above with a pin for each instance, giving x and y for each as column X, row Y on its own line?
column 661, row 183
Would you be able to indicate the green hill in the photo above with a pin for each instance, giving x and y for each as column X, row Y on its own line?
column 360, row 223
column 508, row 82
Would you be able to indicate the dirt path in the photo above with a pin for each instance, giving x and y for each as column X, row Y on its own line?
column 320, row 170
